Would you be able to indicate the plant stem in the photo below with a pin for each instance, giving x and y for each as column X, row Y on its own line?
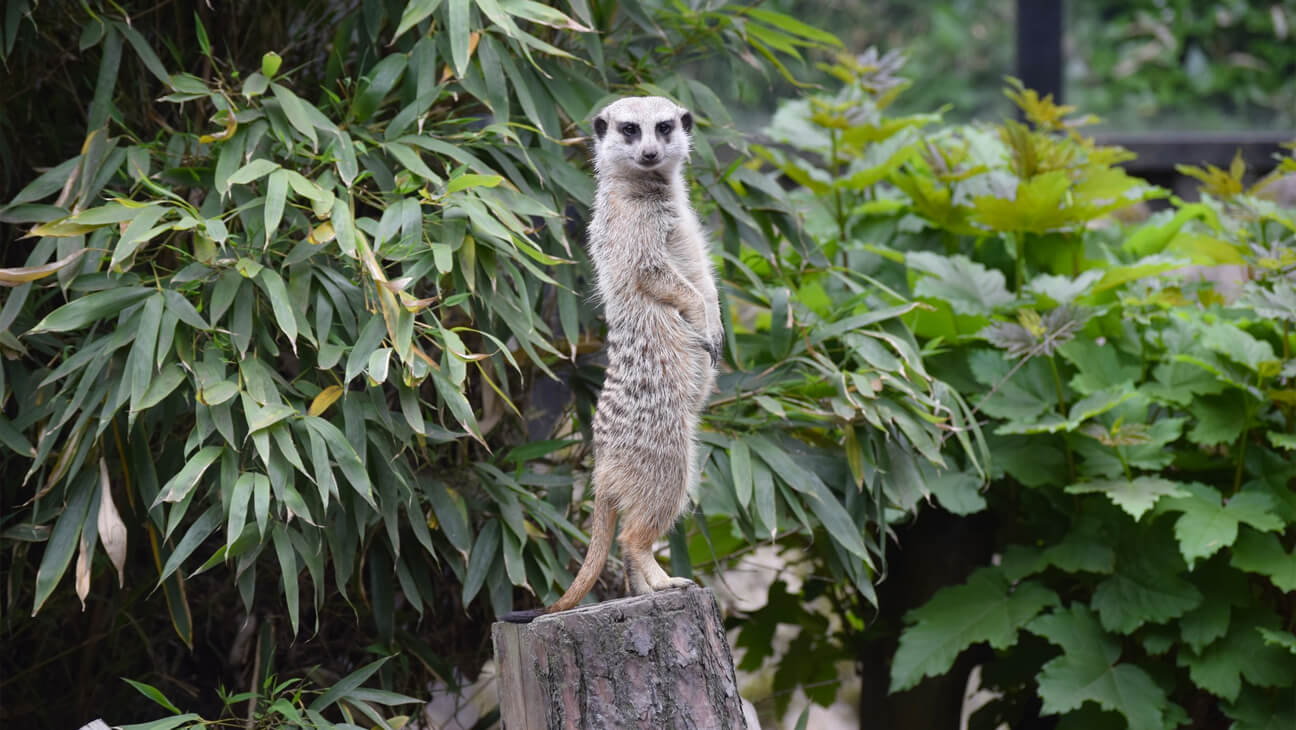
column 1241, row 457
column 837, row 197
column 1057, row 381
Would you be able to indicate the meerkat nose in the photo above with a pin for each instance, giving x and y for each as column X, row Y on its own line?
column 649, row 156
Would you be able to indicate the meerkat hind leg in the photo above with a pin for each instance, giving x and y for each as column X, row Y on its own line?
column 646, row 575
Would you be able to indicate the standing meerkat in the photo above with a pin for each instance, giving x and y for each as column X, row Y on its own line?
column 664, row 339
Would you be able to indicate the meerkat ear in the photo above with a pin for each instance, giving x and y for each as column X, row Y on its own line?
column 600, row 127
column 686, row 122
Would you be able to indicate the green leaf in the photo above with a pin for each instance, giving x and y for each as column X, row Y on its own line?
column 145, row 53
column 459, row 35
column 1254, row 552
column 343, row 687
column 967, row 286
column 345, row 455
column 270, row 63
column 274, row 287
column 1221, row 667
column 238, row 506
column 201, row 528
column 276, row 196
column 1207, row 525
column 139, row 232
column 985, row 608
column 63, row 541
column 90, row 308
column 179, row 486
column 465, row 181
column 1237, row 345
column 1088, row 671
column 295, row 109
column 166, row 723
column 1144, row 589
column 821, row 501
column 740, row 462
column 1284, row 639
column 287, row 571
column 481, row 559
column 415, row 12
column 1135, row 496
column 252, row 171
column 153, row 693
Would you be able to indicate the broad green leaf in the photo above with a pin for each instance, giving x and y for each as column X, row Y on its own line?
column 280, row 303
column 153, row 693
column 967, row 286
column 252, row 171
column 1206, row 525
column 1145, row 588
column 465, row 181
column 481, row 559
column 344, row 455
column 343, row 687
column 91, row 308
column 985, row 608
column 1238, row 345
column 287, row 571
column 1088, row 671
column 740, row 462
column 276, row 196
column 201, row 528
column 821, row 501
column 63, row 541
column 459, row 39
column 295, row 109
column 166, row 723
column 1243, row 653
column 238, row 506
column 179, row 486
column 1135, row 496
column 140, row 364
column 1255, row 552
column 415, row 12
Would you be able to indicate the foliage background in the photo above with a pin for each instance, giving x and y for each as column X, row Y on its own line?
column 311, row 326
column 298, row 367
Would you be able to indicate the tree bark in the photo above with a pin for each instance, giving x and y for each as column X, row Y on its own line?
column 654, row 661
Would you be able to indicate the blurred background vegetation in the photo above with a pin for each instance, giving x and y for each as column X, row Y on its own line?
column 300, row 285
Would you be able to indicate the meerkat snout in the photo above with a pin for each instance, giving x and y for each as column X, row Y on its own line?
column 642, row 133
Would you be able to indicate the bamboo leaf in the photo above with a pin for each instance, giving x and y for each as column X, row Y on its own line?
column 198, row 531
column 62, row 543
column 179, row 486
column 90, row 308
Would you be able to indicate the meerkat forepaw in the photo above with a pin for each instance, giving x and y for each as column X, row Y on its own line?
column 715, row 348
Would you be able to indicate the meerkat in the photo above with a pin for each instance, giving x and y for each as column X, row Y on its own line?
column 664, row 337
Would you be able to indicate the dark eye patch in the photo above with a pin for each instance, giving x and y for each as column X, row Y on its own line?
column 664, row 128
column 630, row 129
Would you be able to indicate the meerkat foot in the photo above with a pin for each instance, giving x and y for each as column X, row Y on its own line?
column 658, row 580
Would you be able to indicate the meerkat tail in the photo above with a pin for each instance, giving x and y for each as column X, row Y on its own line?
column 600, row 546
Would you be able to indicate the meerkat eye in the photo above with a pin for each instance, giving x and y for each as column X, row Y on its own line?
column 664, row 128
column 630, row 129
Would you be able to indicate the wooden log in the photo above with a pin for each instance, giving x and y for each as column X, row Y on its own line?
column 655, row 661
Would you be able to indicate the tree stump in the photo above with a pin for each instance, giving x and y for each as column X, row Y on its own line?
column 655, row 661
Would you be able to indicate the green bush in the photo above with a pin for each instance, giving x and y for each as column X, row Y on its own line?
column 1139, row 417
column 294, row 330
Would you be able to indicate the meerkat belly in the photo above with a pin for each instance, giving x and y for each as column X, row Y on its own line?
column 650, row 392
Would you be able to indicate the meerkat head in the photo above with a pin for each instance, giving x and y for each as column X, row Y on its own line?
column 641, row 133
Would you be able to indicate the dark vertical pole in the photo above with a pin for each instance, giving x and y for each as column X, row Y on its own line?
column 1039, row 46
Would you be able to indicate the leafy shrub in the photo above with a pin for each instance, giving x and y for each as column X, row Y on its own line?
column 1190, row 63
column 1138, row 417
column 302, row 321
